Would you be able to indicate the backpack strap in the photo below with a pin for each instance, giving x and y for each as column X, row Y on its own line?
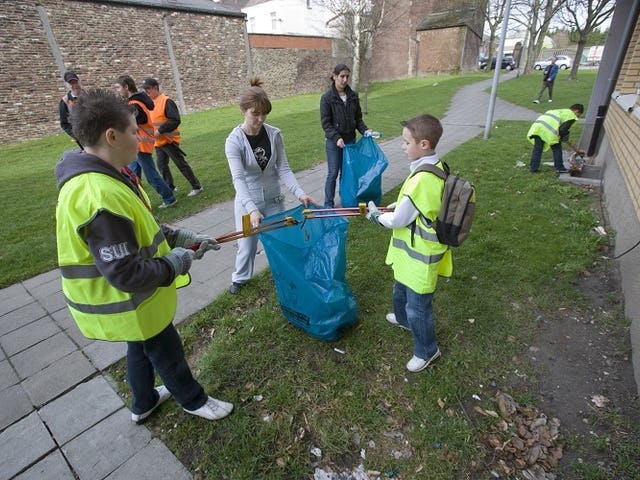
column 442, row 173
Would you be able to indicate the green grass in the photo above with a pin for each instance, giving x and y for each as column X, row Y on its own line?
column 523, row 89
column 27, row 237
column 294, row 393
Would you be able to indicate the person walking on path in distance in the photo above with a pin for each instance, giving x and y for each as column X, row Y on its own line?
column 548, row 77
column 119, row 267
column 126, row 88
column 68, row 101
column 258, row 164
column 548, row 131
column 341, row 116
column 415, row 254
column 166, row 118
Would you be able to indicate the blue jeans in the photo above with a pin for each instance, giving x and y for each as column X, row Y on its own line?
column 414, row 311
column 165, row 354
column 145, row 164
column 334, row 167
column 536, row 155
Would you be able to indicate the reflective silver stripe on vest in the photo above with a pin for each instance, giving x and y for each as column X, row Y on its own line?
column 424, row 234
column 554, row 131
column 90, row 271
column 426, row 259
column 111, row 308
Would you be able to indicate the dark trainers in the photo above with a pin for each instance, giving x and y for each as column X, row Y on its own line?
column 163, row 396
column 212, row 410
column 417, row 364
column 235, row 287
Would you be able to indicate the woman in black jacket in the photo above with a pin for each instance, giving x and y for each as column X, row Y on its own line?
column 341, row 116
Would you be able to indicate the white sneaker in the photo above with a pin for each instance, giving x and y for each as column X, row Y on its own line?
column 194, row 192
column 416, row 364
column 163, row 396
column 213, row 409
column 391, row 318
column 536, row 101
column 550, row 101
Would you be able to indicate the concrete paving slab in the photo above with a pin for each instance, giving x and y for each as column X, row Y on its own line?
column 81, row 408
column 57, row 378
column 14, row 297
column 42, row 354
column 79, row 339
column 21, row 316
column 151, row 463
column 104, row 354
column 53, row 302
column 45, row 284
column 53, row 466
column 15, row 405
column 22, row 444
column 63, row 319
column 103, row 448
column 8, row 376
column 24, row 337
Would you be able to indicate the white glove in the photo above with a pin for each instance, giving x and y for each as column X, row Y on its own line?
column 373, row 213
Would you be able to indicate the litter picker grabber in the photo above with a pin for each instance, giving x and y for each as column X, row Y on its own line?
column 248, row 231
column 360, row 211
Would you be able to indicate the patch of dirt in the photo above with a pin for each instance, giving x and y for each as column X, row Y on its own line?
column 586, row 376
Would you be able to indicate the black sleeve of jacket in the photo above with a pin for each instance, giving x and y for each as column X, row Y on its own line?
column 563, row 130
column 114, row 246
column 362, row 127
column 173, row 117
column 141, row 116
column 65, row 124
column 327, row 120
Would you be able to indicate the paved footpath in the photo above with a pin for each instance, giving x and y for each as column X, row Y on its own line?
column 60, row 418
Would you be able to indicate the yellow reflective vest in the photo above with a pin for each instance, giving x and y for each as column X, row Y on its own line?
column 547, row 126
column 101, row 310
column 416, row 256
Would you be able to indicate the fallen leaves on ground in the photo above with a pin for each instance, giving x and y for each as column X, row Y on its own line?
column 522, row 439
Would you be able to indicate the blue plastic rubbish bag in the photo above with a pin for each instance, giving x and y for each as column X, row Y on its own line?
column 362, row 165
column 308, row 263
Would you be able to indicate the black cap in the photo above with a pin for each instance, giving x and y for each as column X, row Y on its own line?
column 70, row 76
column 149, row 82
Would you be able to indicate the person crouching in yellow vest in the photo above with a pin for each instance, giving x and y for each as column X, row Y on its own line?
column 548, row 131
column 119, row 267
column 415, row 254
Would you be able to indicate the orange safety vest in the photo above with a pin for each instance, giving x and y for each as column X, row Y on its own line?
column 146, row 138
column 158, row 117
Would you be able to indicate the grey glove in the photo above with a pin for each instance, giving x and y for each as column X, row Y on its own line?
column 374, row 213
column 180, row 259
column 187, row 238
column 205, row 246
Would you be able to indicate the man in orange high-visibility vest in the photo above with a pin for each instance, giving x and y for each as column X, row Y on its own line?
column 166, row 119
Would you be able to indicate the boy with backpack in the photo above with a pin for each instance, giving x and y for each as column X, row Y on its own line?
column 415, row 253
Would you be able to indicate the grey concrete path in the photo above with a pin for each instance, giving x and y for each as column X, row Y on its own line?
column 59, row 416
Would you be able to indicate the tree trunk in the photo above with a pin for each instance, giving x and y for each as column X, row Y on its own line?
column 576, row 61
column 357, row 58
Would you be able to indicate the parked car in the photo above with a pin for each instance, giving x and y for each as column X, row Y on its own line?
column 507, row 63
column 562, row 61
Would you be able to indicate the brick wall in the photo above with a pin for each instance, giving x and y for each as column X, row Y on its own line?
column 102, row 40
column 623, row 132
